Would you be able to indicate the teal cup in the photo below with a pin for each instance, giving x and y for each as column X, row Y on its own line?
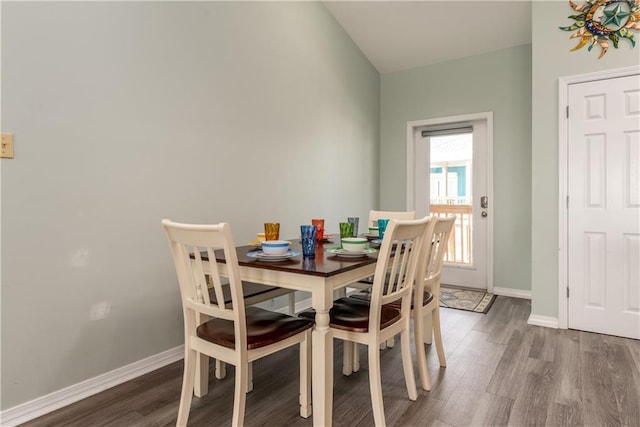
column 382, row 227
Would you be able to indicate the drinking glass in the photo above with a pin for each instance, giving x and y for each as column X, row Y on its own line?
column 382, row 227
column 319, row 223
column 354, row 221
column 272, row 230
column 309, row 264
column 346, row 229
column 308, row 234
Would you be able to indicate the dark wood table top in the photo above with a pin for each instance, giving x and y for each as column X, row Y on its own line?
column 324, row 264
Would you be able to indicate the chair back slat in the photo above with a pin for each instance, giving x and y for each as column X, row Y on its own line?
column 437, row 241
column 398, row 260
column 200, row 281
column 215, row 279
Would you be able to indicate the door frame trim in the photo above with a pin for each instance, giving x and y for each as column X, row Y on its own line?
column 563, row 170
column 412, row 128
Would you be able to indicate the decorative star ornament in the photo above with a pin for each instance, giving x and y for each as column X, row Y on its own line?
column 615, row 16
column 602, row 21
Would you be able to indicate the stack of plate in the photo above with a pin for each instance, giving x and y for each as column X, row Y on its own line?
column 351, row 254
column 267, row 257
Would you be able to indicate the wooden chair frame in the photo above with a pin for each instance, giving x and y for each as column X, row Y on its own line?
column 398, row 262
column 187, row 243
column 437, row 238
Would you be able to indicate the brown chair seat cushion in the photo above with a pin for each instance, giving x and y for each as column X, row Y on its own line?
column 249, row 289
column 366, row 296
column 263, row 328
column 352, row 314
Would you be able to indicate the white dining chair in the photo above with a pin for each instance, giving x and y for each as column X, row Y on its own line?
column 353, row 353
column 375, row 321
column 426, row 297
column 426, row 300
column 231, row 333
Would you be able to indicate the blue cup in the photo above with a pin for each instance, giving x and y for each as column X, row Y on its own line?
column 309, row 264
column 354, row 221
column 382, row 227
column 308, row 234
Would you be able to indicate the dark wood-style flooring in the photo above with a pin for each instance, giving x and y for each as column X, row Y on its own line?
column 500, row 371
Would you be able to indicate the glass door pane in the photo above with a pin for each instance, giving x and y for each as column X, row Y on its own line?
column 451, row 185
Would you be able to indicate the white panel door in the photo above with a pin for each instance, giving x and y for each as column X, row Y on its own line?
column 604, row 206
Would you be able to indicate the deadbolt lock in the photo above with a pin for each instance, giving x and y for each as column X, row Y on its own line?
column 484, row 202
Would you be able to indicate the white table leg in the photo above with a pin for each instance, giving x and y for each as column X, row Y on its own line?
column 322, row 348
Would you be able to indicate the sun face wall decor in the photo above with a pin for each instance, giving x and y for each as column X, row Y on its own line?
column 602, row 21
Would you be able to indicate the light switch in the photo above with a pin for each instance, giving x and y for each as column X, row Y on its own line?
column 6, row 144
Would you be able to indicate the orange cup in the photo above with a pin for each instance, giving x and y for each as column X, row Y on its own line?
column 272, row 230
column 319, row 223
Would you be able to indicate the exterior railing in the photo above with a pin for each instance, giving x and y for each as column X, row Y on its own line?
column 459, row 247
column 450, row 201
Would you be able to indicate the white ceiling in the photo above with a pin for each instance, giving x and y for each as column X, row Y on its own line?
column 399, row 35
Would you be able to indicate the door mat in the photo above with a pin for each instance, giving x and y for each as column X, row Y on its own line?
column 465, row 299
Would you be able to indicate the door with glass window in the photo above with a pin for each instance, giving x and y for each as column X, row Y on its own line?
column 451, row 178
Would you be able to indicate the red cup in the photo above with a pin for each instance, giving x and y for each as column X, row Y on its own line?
column 319, row 223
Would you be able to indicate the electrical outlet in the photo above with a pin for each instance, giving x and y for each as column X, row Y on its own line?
column 6, row 144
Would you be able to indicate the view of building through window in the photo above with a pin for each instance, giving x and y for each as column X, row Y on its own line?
column 452, row 188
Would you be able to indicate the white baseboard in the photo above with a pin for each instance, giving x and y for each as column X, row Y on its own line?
column 544, row 321
column 513, row 293
column 43, row 405
column 300, row 306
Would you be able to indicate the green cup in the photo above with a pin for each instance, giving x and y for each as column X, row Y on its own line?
column 346, row 229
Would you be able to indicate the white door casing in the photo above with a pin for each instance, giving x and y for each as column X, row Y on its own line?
column 600, row 220
column 480, row 275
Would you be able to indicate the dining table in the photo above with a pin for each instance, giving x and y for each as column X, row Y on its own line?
column 320, row 276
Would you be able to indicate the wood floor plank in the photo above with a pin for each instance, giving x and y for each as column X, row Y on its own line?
column 544, row 344
column 567, row 356
column 564, row 415
column 624, row 382
column 461, row 409
column 598, row 396
column 424, row 412
column 511, row 371
column 479, row 349
column 492, row 410
column 534, row 397
column 503, row 330
column 634, row 350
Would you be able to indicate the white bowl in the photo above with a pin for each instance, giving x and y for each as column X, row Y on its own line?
column 275, row 247
column 373, row 231
column 354, row 244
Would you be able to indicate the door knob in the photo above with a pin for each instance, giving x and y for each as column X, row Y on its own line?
column 484, row 214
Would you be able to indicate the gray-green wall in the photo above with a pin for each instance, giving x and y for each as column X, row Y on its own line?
column 499, row 82
column 126, row 113
column 552, row 59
